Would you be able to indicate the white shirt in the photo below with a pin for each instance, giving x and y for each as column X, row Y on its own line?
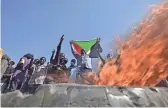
column 84, row 61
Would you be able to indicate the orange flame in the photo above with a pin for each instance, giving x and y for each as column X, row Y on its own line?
column 142, row 60
column 144, row 57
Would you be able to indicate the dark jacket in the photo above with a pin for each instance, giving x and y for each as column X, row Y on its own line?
column 21, row 69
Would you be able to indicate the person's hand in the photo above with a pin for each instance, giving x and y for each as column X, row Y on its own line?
column 53, row 51
column 62, row 38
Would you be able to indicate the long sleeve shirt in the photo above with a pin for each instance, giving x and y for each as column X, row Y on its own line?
column 84, row 61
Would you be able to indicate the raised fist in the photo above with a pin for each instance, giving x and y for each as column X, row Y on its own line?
column 62, row 37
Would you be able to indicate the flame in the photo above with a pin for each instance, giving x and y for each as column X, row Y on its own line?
column 144, row 57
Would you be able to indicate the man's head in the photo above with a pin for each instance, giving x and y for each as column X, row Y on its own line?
column 11, row 63
column 73, row 62
column 83, row 52
column 6, row 57
column 36, row 61
column 42, row 60
column 109, row 56
column 62, row 55
column 63, row 61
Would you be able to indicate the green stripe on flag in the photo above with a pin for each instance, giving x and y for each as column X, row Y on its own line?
column 86, row 44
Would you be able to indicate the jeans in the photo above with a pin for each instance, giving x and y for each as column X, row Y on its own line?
column 75, row 71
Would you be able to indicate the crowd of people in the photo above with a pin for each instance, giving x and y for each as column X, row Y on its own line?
column 30, row 72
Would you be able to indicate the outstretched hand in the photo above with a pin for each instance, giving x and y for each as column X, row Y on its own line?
column 62, row 38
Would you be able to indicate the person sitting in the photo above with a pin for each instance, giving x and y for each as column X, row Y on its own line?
column 84, row 65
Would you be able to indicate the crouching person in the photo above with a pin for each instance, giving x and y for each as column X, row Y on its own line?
column 83, row 65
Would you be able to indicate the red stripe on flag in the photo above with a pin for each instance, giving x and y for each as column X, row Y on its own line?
column 76, row 48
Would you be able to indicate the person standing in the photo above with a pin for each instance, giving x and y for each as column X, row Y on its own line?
column 21, row 71
column 4, row 63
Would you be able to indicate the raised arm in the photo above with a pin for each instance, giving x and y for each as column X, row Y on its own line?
column 56, row 59
column 101, row 58
column 52, row 56
column 61, row 40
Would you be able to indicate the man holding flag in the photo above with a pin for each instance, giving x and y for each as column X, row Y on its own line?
column 84, row 51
